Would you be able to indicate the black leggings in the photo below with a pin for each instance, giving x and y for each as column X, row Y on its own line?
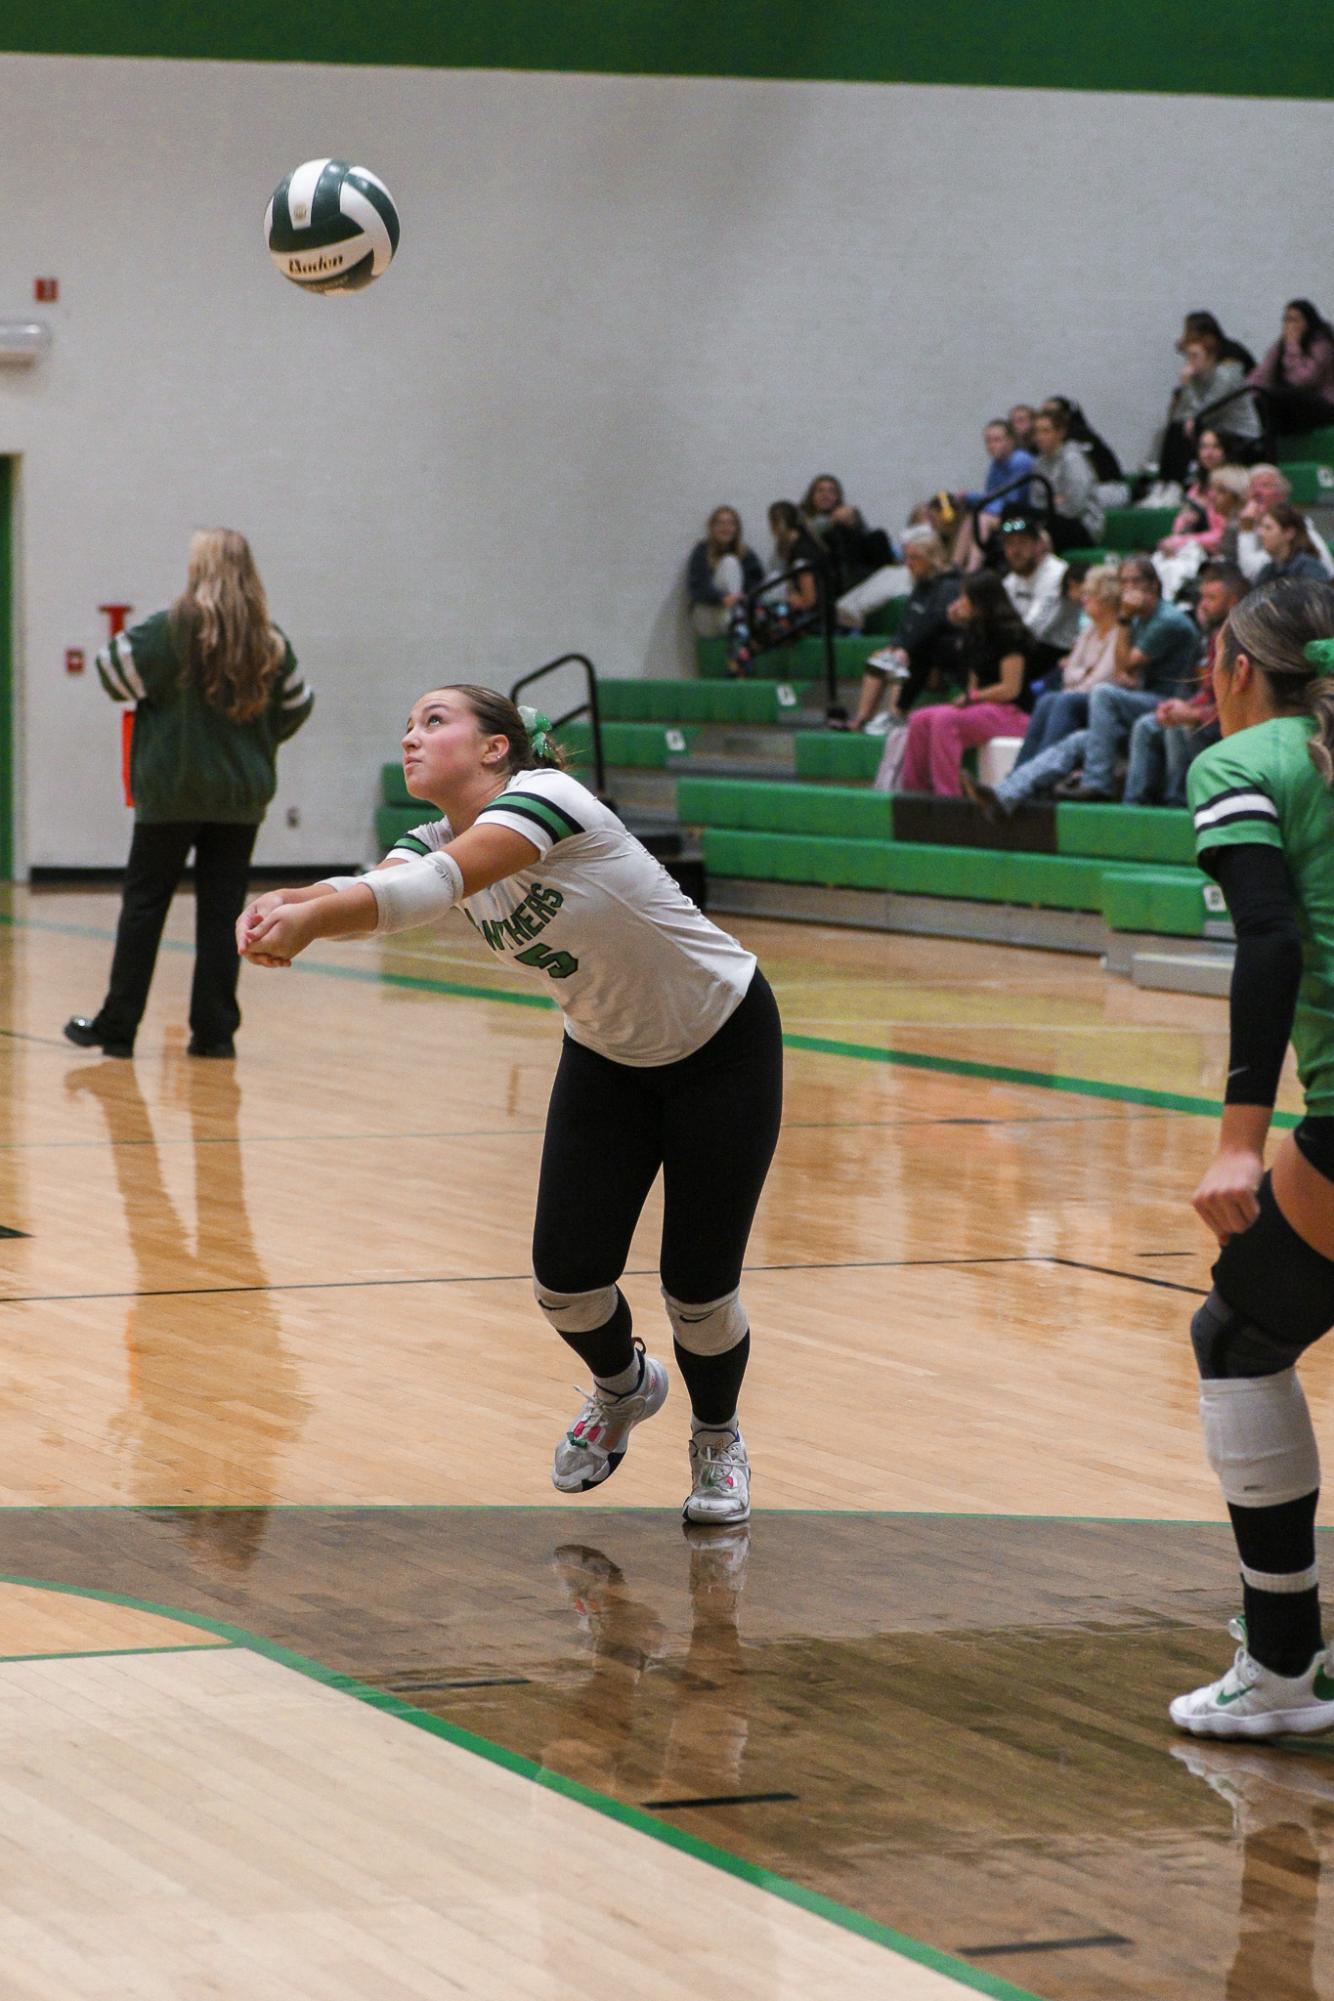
column 710, row 1122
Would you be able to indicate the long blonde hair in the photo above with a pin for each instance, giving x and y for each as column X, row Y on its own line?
column 1286, row 629
column 232, row 651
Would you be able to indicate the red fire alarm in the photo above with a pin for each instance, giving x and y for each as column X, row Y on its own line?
column 46, row 290
column 74, row 660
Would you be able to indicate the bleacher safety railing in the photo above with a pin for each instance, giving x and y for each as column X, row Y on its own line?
column 588, row 707
column 822, row 618
column 1024, row 479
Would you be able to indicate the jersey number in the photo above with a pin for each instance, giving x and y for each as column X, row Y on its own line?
column 558, row 964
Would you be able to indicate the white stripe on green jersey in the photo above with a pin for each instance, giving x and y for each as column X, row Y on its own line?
column 641, row 976
column 1258, row 787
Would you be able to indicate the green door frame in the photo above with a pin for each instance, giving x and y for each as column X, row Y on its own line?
column 6, row 670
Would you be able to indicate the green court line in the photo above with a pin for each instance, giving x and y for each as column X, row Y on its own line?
column 118, row 1653
column 815, row 1045
column 782, row 1887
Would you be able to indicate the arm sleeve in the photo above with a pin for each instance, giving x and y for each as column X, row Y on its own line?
column 1264, row 374
column 292, row 697
column 1258, row 890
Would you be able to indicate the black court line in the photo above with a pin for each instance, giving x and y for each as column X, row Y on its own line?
column 1139, row 1277
column 1043, row 1945
column 488, row 1278
column 491, row 1681
column 720, row 1799
column 1164, row 1254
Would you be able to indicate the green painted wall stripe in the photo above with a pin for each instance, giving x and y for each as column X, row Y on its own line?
column 1229, row 49
column 816, row 1045
column 511, row 1761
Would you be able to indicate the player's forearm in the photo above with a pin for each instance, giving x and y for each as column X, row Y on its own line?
column 345, row 913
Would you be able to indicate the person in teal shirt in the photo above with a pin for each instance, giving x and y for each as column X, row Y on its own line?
column 1264, row 829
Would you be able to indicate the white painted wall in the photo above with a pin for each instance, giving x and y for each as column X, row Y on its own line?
column 617, row 301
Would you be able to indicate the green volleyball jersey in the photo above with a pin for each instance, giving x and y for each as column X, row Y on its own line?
column 1259, row 786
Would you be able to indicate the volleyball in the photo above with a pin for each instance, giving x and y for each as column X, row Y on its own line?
column 331, row 227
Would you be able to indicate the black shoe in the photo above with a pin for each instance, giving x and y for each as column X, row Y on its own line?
column 85, row 1034
column 984, row 797
column 197, row 1048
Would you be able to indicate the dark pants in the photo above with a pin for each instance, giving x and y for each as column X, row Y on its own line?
column 1064, row 532
column 1298, row 410
column 158, row 854
column 1054, row 717
column 710, row 1122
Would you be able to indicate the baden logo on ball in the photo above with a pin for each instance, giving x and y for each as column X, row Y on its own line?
column 331, row 227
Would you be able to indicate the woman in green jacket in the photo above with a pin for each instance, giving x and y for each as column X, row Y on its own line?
column 216, row 689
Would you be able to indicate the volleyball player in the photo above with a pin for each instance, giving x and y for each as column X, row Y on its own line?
column 672, row 1059
column 1264, row 828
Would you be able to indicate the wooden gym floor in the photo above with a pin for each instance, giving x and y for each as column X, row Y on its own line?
column 310, row 1686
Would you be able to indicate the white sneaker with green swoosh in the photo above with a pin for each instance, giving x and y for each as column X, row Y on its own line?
column 1253, row 1701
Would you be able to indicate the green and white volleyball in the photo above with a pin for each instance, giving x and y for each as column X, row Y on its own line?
column 331, row 227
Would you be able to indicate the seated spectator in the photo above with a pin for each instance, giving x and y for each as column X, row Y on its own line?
column 997, row 657
column 1298, row 371
column 1192, row 520
column 1287, row 543
column 1009, row 461
column 1021, row 420
column 1090, row 661
column 790, row 607
column 1196, row 324
column 721, row 570
column 1205, row 379
column 1266, row 486
column 852, row 550
column 1156, row 652
column 1075, row 519
column 1164, row 745
column 925, row 643
column 1106, row 466
column 1035, row 581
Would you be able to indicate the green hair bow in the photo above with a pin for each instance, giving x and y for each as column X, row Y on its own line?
column 538, row 727
column 1320, row 653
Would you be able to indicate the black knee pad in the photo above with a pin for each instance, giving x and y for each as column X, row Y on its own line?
column 1273, row 1296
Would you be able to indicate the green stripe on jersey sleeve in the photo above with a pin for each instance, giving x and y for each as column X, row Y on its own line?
column 408, row 844
column 531, row 806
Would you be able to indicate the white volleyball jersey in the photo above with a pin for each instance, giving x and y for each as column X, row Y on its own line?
column 640, row 974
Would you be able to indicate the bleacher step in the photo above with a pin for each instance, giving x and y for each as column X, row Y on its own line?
column 1204, row 970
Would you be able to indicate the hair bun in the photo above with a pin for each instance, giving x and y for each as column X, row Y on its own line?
column 1320, row 653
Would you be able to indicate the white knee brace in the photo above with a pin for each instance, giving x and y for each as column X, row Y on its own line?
column 576, row 1312
column 1258, row 1435
column 710, row 1329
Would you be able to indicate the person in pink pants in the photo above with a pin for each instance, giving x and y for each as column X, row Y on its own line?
column 997, row 700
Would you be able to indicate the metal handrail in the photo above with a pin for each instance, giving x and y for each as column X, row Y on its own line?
column 823, row 613
column 588, row 707
column 1256, row 389
column 1020, row 479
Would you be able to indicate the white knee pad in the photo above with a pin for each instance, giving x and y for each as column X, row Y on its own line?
column 710, row 1329
column 1258, row 1435
column 576, row 1312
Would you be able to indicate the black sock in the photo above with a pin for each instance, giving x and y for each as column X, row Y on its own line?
column 714, row 1381
column 1282, row 1627
column 610, row 1348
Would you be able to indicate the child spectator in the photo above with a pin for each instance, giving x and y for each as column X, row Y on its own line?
column 1298, row 371
column 997, row 656
column 721, row 570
